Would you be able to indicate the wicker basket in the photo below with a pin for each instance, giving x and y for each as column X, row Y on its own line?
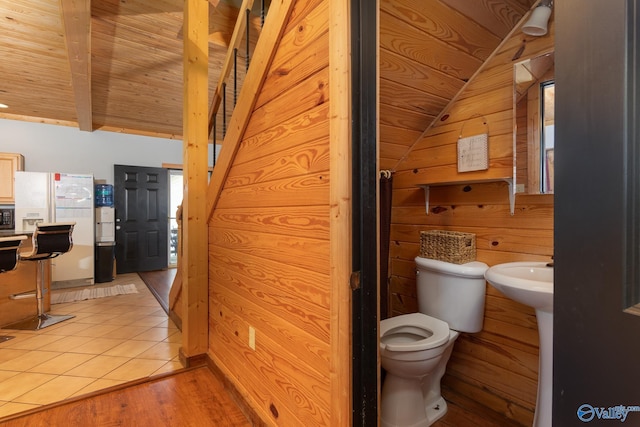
column 451, row 246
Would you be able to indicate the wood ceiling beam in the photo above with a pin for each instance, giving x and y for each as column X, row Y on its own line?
column 76, row 18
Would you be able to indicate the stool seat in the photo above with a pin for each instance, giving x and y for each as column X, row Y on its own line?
column 9, row 252
column 9, row 247
column 49, row 241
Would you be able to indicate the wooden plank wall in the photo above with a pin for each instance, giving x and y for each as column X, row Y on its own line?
column 498, row 366
column 269, row 242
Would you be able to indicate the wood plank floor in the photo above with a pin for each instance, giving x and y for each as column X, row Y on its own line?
column 194, row 397
column 464, row 412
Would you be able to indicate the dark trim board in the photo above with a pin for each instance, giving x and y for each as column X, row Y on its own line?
column 364, row 28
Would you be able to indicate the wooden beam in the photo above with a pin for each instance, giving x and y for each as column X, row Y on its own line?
column 340, row 209
column 265, row 50
column 195, row 141
column 76, row 17
column 236, row 39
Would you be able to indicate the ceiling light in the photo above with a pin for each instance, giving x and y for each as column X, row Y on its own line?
column 4, row 106
column 537, row 23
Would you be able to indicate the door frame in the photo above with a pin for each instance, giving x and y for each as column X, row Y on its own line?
column 365, row 298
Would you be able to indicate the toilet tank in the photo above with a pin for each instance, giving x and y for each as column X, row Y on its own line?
column 454, row 293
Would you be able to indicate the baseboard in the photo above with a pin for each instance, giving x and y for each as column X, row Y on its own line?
column 251, row 415
column 192, row 361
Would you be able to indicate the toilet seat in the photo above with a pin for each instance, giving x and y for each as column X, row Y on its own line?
column 435, row 332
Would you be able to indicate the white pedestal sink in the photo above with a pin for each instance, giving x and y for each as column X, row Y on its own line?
column 531, row 283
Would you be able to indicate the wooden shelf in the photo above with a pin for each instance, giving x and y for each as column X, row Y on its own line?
column 509, row 181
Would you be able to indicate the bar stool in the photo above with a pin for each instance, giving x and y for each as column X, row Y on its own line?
column 9, row 247
column 49, row 241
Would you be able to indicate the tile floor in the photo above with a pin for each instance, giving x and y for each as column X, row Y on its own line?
column 110, row 341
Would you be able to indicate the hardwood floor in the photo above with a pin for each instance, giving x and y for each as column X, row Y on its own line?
column 194, row 397
column 464, row 412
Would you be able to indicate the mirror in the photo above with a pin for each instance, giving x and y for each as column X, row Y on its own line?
column 534, row 101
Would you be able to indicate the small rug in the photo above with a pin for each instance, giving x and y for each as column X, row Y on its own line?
column 92, row 293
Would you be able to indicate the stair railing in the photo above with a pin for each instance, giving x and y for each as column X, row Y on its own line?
column 243, row 25
column 232, row 70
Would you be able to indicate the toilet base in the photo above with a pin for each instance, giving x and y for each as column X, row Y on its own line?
column 436, row 410
column 404, row 404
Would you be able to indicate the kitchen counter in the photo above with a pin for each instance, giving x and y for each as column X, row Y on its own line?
column 9, row 233
column 20, row 280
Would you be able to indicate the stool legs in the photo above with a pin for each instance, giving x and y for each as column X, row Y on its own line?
column 41, row 320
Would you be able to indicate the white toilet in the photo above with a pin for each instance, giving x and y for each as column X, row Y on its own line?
column 415, row 348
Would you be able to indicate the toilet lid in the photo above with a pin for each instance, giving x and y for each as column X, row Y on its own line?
column 434, row 331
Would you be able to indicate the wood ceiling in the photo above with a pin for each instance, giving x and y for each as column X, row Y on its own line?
column 132, row 79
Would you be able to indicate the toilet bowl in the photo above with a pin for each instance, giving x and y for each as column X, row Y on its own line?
column 415, row 347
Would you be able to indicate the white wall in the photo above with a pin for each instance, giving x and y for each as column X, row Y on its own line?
column 51, row 148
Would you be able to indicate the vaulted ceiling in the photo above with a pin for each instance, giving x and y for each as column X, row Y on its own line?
column 117, row 64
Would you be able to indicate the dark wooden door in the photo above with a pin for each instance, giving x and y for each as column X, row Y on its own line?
column 141, row 200
column 597, row 214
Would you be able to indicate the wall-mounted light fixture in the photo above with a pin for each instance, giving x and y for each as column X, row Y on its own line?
column 539, row 19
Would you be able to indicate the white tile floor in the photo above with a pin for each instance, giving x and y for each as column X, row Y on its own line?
column 110, row 341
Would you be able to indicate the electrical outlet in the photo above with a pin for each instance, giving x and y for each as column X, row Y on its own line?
column 252, row 338
column 519, row 188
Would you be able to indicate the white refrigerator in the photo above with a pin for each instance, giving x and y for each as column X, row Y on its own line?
column 60, row 197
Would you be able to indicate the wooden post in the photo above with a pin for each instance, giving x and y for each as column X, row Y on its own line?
column 195, row 140
column 341, row 211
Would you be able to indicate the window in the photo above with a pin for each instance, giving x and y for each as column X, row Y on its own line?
column 175, row 200
column 547, row 103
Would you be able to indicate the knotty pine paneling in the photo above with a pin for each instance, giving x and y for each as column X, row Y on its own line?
column 400, row 96
column 415, row 120
column 308, row 94
column 498, row 366
column 307, row 337
column 445, row 24
column 468, row 396
column 414, row 43
column 495, row 15
column 291, row 66
column 395, row 67
column 313, row 122
column 269, row 237
column 275, row 389
column 285, row 220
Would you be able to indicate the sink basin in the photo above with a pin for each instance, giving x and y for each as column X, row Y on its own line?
column 529, row 283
